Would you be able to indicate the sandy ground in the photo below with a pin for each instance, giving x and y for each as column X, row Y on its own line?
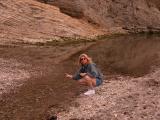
column 119, row 98
column 11, row 74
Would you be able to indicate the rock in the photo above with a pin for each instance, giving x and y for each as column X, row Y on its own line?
column 72, row 8
column 41, row 22
column 133, row 16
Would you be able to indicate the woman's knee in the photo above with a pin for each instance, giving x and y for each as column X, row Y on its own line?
column 91, row 81
column 87, row 81
column 82, row 81
column 87, row 77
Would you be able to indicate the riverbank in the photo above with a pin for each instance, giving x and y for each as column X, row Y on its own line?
column 30, row 80
column 33, row 85
column 120, row 98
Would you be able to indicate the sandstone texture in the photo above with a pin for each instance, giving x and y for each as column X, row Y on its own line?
column 31, row 20
column 133, row 16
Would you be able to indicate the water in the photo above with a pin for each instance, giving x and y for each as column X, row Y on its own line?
column 129, row 55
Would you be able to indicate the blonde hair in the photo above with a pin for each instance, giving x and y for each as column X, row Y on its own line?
column 89, row 59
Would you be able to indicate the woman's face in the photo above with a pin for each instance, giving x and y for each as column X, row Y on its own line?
column 83, row 60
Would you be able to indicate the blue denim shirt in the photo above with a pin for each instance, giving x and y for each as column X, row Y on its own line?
column 90, row 69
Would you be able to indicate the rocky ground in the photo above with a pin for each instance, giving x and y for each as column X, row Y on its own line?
column 119, row 98
column 11, row 69
column 33, row 86
column 133, row 94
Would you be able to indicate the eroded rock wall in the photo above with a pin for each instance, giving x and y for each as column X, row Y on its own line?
column 131, row 15
column 30, row 20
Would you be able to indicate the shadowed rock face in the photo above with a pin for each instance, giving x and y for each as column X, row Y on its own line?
column 154, row 3
column 134, row 16
column 73, row 8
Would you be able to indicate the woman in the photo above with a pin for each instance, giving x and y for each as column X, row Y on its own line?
column 88, row 74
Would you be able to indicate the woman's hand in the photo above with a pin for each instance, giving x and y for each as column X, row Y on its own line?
column 68, row 75
column 82, row 74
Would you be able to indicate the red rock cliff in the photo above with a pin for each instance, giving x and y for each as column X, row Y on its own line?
column 131, row 15
column 23, row 20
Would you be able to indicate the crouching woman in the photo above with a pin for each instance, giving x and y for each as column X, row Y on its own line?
column 88, row 74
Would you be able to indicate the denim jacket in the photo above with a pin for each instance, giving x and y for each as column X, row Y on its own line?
column 90, row 69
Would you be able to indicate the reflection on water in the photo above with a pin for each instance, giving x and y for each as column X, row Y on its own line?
column 133, row 55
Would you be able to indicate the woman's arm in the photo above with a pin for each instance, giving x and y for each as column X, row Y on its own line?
column 92, row 70
column 76, row 76
column 69, row 76
column 83, row 74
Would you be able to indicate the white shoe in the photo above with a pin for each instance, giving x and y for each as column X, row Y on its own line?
column 90, row 92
